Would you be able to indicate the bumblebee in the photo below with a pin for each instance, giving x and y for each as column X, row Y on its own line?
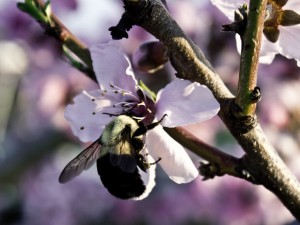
column 118, row 156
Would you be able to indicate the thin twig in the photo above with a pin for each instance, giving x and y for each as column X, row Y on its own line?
column 251, row 42
column 69, row 40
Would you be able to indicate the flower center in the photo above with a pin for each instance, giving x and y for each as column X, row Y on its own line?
column 276, row 16
column 137, row 105
column 272, row 21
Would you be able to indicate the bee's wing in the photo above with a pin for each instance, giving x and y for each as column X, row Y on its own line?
column 81, row 162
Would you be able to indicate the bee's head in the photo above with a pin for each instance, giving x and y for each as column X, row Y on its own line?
column 138, row 142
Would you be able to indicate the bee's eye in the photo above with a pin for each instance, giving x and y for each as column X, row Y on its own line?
column 137, row 143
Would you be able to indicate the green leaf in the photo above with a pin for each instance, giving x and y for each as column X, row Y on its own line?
column 33, row 10
column 74, row 61
column 22, row 6
column 77, row 63
column 48, row 10
column 150, row 93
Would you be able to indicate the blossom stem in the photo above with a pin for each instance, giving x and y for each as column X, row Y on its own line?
column 251, row 42
column 67, row 38
column 56, row 29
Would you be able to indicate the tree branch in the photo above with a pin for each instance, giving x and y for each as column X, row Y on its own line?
column 261, row 159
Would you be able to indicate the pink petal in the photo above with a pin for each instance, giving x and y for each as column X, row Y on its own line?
column 292, row 5
column 112, row 67
column 174, row 159
column 86, row 116
column 268, row 51
column 289, row 42
column 185, row 102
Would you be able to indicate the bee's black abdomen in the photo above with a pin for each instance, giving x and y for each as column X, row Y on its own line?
column 119, row 183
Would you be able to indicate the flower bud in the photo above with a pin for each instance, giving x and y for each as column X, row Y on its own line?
column 150, row 57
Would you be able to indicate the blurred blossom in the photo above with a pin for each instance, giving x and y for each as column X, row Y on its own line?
column 47, row 202
column 66, row 5
column 13, row 65
column 91, row 19
column 227, row 201
column 279, row 110
column 13, row 59
column 198, row 22
column 281, row 29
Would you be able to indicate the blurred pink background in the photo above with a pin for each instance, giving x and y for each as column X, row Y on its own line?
column 36, row 83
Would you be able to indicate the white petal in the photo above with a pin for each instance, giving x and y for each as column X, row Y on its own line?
column 268, row 51
column 228, row 6
column 86, row 116
column 289, row 39
column 148, row 178
column 185, row 102
column 112, row 67
column 174, row 159
column 292, row 5
column 238, row 43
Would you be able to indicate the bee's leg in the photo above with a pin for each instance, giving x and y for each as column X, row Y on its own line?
column 153, row 163
column 144, row 165
column 143, row 129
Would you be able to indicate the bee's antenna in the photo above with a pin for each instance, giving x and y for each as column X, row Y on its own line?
column 143, row 129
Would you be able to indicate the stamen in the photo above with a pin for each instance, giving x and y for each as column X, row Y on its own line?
column 88, row 95
column 142, row 103
column 122, row 91
column 124, row 104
